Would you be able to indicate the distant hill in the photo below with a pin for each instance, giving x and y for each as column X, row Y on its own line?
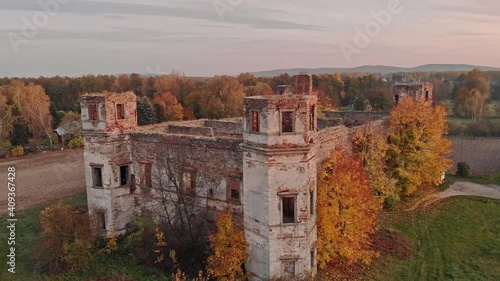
column 383, row 69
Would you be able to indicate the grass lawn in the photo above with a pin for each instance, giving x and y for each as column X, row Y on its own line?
column 112, row 267
column 481, row 179
column 457, row 239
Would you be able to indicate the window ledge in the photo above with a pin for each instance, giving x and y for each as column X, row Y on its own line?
column 290, row 224
column 234, row 201
column 290, row 257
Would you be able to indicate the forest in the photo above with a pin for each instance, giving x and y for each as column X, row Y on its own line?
column 32, row 108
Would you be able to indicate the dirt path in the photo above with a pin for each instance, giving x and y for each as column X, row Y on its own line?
column 44, row 177
column 474, row 189
column 459, row 189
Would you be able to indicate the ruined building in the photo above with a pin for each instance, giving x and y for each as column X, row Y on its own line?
column 422, row 92
column 263, row 165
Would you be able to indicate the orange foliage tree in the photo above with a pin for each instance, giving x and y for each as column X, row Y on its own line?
column 167, row 107
column 372, row 148
column 228, row 249
column 416, row 156
column 347, row 211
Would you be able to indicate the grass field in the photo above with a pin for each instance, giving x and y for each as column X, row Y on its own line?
column 103, row 267
column 457, row 239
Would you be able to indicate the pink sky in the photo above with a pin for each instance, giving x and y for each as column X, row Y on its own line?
column 124, row 36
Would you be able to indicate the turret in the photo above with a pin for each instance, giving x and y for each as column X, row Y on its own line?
column 106, row 120
column 279, row 182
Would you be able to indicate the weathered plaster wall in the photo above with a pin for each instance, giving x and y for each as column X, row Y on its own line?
column 215, row 161
column 114, row 200
column 223, row 127
column 269, row 175
column 107, row 112
column 270, row 126
column 419, row 91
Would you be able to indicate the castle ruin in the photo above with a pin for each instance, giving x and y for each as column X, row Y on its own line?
column 264, row 166
column 421, row 92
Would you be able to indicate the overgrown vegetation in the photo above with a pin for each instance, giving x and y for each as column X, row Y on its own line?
column 372, row 148
column 76, row 142
column 17, row 151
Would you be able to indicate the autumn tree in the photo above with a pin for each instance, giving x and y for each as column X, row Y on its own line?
column 228, row 248
column 66, row 238
column 167, row 107
column 331, row 87
column 247, row 79
column 176, row 84
column 222, row 98
column 325, row 103
column 347, row 211
column 259, row 89
column 417, row 151
column 371, row 147
column 192, row 102
column 34, row 106
column 122, row 84
column 6, row 118
column 472, row 95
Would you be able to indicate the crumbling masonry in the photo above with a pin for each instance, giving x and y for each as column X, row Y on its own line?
column 263, row 165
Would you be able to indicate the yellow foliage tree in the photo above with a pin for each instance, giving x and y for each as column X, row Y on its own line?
column 34, row 105
column 347, row 211
column 372, row 149
column 228, row 249
column 417, row 152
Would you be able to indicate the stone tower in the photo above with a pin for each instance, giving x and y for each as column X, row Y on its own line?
column 109, row 174
column 279, row 183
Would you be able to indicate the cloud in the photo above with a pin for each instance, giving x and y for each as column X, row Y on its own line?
column 119, row 36
column 472, row 8
column 197, row 10
column 466, row 33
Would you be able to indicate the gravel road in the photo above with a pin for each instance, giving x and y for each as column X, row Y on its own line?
column 43, row 177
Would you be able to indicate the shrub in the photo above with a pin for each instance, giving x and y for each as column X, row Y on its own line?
column 389, row 202
column 76, row 142
column 66, row 238
column 444, row 186
column 140, row 239
column 463, row 170
column 17, row 151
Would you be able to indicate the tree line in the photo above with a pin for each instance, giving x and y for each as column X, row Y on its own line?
column 33, row 107
column 177, row 97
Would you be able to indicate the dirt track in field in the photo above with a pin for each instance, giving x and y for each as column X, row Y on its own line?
column 43, row 177
column 482, row 154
